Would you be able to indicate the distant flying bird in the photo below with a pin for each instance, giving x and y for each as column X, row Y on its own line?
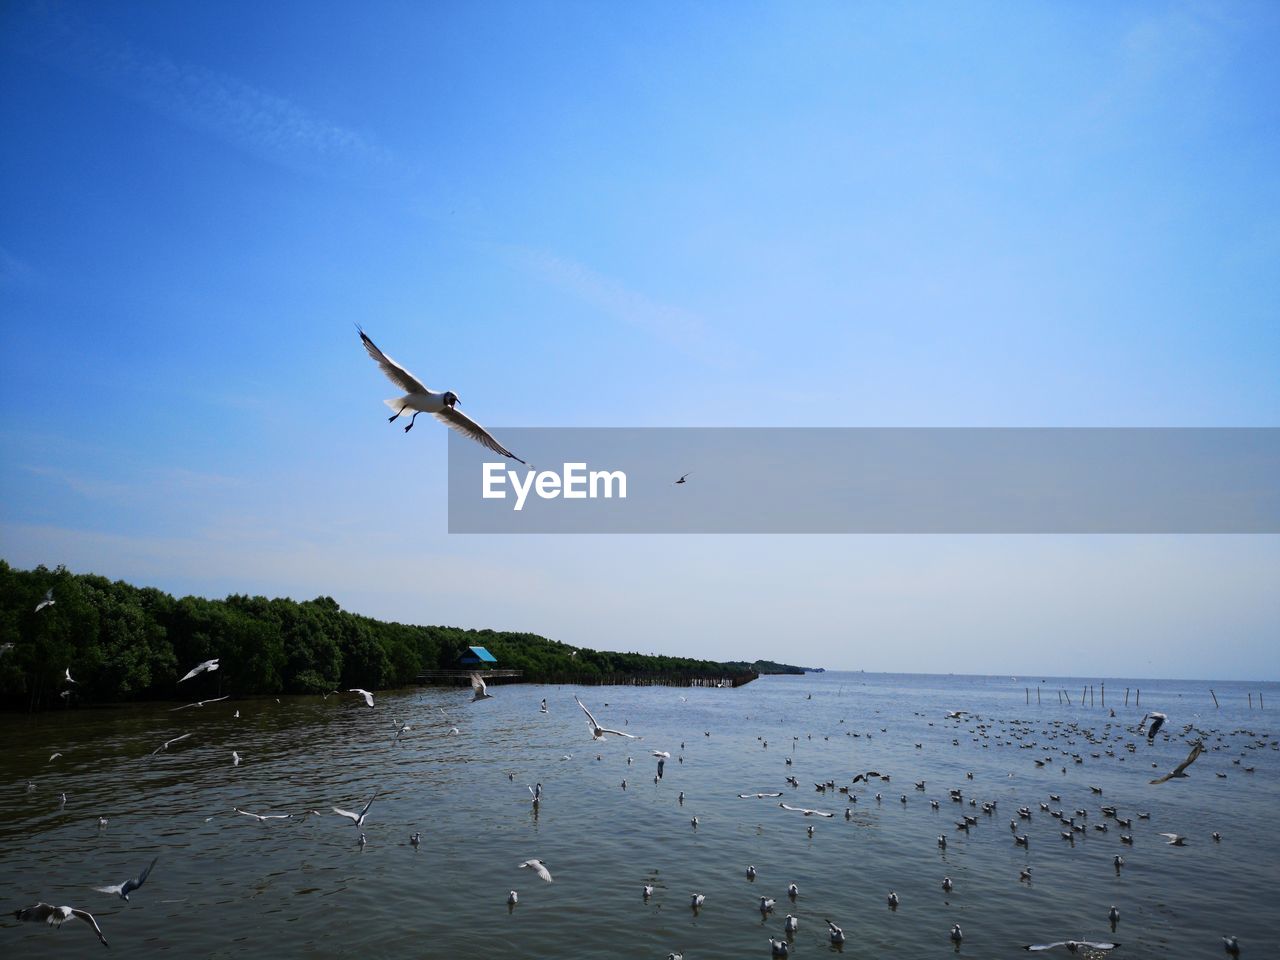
column 1179, row 770
column 68, row 676
column 538, row 867
column 357, row 818
column 757, row 796
column 57, row 916
column 48, row 601
column 200, row 703
column 122, row 890
column 368, row 697
column 683, row 478
column 1175, row 840
column 1073, row 946
column 442, row 406
column 208, row 665
column 54, row 757
column 478, row 689
column 598, row 732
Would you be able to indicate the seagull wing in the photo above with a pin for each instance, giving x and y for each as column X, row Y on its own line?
column 353, row 817
column 185, row 706
column 397, row 374
column 1196, row 750
column 619, row 733
column 459, row 421
column 131, row 885
column 1093, row 945
column 194, row 671
column 538, row 867
column 590, row 719
column 1045, row 946
column 115, row 889
column 370, row 803
column 478, row 685
column 87, row 917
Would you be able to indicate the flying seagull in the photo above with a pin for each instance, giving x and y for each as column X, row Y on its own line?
column 57, row 916
column 1180, row 769
column 757, row 796
column 442, row 406
column 368, row 697
column 538, row 867
column 1073, row 946
column 478, row 689
column 806, row 811
column 200, row 703
column 263, row 817
column 48, row 601
column 122, row 890
column 683, row 478
column 598, row 732
column 68, row 676
column 208, row 665
column 1175, row 840
column 1157, row 721
column 357, row 818
column 166, row 744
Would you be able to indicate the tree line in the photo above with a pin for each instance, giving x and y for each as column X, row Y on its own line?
column 124, row 643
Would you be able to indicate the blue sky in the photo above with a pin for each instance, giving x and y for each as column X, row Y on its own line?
column 664, row 214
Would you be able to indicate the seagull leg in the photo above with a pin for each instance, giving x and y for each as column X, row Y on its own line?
column 392, row 418
column 411, row 419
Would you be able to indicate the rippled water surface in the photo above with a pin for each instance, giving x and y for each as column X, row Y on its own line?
column 229, row 886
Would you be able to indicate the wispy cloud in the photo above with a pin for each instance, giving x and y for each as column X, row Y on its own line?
column 670, row 323
column 262, row 122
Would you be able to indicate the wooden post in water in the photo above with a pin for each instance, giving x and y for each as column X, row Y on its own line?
column 1250, row 701
column 1137, row 699
column 1104, row 694
column 1068, row 696
column 1028, row 689
column 1215, row 697
column 1083, row 691
column 1126, row 696
column 1059, row 698
column 1037, row 696
column 1260, row 706
column 1091, row 694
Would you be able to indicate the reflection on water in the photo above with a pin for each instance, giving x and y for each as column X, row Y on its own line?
column 227, row 885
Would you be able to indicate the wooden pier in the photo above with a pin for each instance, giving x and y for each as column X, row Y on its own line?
column 462, row 678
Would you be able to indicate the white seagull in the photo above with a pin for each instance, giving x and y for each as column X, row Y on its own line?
column 478, row 689
column 57, row 916
column 208, row 665
column 200, row 703
column 167, row 743
column 598, row 732
column 1175, row 840
column 1073, row 946
column 68, row 676
column 122, row 890
column 368, row 697
column 538, row 867
column 442, row 406
column 757, row 796
column 48, row 601
column 357, row 818
column 263, row 817
column 805, row 810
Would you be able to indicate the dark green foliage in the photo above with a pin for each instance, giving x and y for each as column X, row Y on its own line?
column 130, row 643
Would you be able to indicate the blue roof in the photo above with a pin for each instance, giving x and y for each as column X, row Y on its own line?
column 480, row 654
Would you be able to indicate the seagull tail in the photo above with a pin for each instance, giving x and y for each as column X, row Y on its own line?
column 397, row 404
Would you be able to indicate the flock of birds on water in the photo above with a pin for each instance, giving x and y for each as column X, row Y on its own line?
column 1073, row 823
